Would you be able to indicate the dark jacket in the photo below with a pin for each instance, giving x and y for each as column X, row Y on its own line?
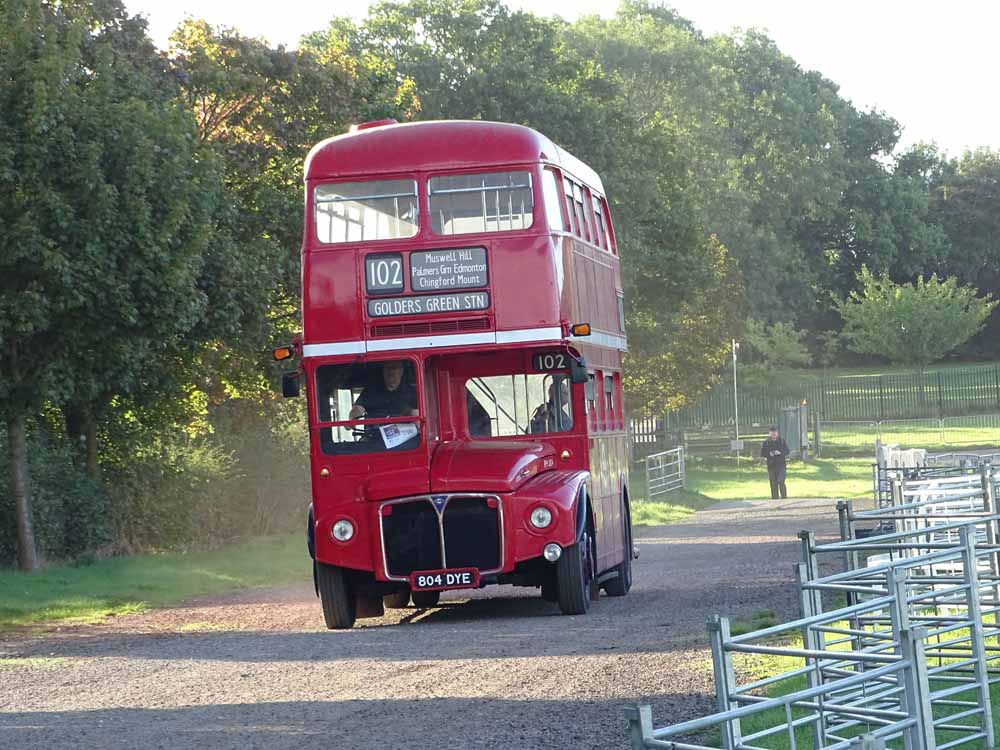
column 381, row 403
column 774, row 451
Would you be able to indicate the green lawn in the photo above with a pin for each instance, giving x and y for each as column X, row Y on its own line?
column 713, row 480
column 724, row 479
column 951, row 434
column 124, row 585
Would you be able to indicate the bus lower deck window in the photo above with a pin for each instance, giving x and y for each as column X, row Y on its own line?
column 353, row 394
column 471, row 203
column 514, row 405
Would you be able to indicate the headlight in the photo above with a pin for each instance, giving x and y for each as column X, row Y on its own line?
column 540, row 517
column 343, row 530
column 552, row 552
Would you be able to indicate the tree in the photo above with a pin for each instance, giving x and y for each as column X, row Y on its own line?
column 912, row 324
column 964, row 195
column 591, row 87
column 105, row 206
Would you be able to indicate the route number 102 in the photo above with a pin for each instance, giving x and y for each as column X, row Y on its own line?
column 548, row 361
column 384, row 272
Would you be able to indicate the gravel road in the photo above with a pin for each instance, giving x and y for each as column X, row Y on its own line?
column 499, row 670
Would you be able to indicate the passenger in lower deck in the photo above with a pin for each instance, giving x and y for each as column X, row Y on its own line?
column 554, row 415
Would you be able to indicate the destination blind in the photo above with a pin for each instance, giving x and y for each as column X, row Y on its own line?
column 432, row 303
column 438, row 270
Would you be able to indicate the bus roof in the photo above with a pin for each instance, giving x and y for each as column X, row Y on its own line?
column 439, row 145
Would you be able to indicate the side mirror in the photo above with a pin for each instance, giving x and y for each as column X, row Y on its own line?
column 578, row 371
column 290, row 384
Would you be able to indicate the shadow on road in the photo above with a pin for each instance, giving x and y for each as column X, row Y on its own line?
column 452, row 723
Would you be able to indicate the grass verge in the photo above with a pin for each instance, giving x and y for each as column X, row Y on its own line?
column 125, row 585
column 724, row 479
column 677, row 506
column 713, row 480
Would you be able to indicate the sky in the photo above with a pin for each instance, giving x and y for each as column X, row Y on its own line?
column 932, row 66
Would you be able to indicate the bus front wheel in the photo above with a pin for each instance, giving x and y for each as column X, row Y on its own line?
column 339, row 605
column 575, row 575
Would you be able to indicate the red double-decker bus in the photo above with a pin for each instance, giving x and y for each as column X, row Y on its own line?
column 463, row 330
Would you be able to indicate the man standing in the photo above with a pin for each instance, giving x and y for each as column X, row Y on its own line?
column 774, row 450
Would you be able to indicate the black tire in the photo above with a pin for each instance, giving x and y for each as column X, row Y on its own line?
column 397, row 599
column 339, row 606
column 425, row 599
column 550, row 591
column 620, row 585
column 575, row 575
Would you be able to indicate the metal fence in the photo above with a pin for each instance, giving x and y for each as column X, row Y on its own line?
column 851, row 397
column 665, row 472
column 909, row 657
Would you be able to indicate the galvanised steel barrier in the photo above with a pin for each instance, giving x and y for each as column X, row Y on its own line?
column 927, row 589
column 793, row 714
column 665, row 472
column 942, row 592
column 884, row 476
column 972, row 460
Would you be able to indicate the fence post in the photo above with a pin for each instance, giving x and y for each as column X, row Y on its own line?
column 900, row 612
column 807, row 539
column 725, row 680
column 978, row 638
column 683, row 467
column 640, row 724
column 817, row 439
column 881, row 398
column 807, row 606
column 916, row 689
column 992, row 530
column 940, row 395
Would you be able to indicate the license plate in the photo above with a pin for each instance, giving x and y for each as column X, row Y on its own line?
column 437, row 580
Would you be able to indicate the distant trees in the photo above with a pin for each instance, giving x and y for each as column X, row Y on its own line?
column 912, row 324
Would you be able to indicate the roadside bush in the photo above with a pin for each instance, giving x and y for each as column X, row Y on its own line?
column 165, row 496
column 69, row 509
column 247, row 476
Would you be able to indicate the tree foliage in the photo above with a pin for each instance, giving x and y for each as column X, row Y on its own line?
column 150, row 219
column 912, row 324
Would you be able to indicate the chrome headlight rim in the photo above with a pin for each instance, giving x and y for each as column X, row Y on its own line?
column 540, row 517
column 342, row 530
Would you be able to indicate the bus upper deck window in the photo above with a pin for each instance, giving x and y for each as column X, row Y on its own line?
column 365, row 211
column 572, row 221
column 553, row 203
column 601, row 238
column 491, row 202
column 581, row 211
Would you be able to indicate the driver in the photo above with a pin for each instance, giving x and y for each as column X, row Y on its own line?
column 390, row 398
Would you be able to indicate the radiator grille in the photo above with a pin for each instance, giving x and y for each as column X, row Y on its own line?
column 471, row 534
column 468, row 530
column 412, row 538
